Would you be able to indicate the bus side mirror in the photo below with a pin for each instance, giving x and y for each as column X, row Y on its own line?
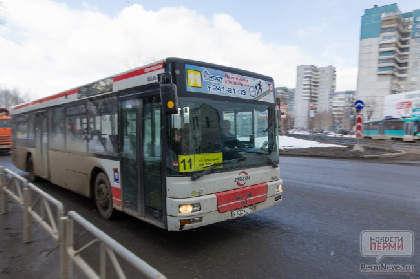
column 169, row 97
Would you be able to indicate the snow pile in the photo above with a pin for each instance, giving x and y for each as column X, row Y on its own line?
column 290, row 143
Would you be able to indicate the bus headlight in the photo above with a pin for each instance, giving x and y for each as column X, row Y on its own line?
column 189, row 208
column 279, row 188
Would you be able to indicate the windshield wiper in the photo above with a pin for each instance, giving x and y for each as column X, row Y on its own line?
column 271, row 161
column 211, row 167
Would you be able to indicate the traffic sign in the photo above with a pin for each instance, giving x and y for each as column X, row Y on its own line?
column 359, row 104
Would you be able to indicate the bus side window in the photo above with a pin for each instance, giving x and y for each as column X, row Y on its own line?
column 76, row 121
column 56, row 128
column 104, row 126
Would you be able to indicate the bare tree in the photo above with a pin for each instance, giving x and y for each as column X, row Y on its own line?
column 369, row 108
column 289, row 122
column 9, row 98
column 323, row 120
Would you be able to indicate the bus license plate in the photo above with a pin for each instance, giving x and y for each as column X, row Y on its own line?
column 243, row 211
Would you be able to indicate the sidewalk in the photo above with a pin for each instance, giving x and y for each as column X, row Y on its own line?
column 39, row 259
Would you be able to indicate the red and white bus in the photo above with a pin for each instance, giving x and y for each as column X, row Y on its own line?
column 150, row 142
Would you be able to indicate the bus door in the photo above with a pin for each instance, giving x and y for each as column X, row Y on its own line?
column 41, row 144
column 141, row 160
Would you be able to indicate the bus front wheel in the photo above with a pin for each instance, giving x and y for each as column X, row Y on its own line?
column 103, row 196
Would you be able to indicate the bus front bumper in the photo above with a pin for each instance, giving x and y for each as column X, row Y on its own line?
column 209, row 212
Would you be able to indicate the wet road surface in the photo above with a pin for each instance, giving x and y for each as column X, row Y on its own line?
column 313, row 233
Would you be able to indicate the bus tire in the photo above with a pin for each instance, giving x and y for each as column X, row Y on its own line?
column 103, row 196
column 32, row 177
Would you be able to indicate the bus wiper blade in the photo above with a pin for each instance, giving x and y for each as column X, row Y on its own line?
column 196, row 176
column 271, row 161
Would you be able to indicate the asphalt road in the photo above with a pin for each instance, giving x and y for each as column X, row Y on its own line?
column 314, row 233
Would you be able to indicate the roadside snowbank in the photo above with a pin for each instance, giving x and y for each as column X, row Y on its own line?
column 290, row 143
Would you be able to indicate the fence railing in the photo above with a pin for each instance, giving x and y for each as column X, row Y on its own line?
column 39, row 206
column 107, row 247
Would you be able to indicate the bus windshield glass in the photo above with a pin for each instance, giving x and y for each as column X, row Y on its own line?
column 5, row 123
column 221, row 135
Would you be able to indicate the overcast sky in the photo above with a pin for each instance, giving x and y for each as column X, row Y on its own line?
column 50, row 46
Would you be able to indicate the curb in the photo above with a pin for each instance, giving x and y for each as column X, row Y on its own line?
column 386, row 155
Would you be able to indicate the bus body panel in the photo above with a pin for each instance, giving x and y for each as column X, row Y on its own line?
column 20, row 154
column 73, row 171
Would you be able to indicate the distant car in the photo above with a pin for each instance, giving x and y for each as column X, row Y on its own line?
column 344, row 132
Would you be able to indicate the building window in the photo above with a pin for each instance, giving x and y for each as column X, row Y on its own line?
column 389, row 60
column 414, row 79
column 408, row 19
column 416, row 49
column 386, row 45
column 388, row 29
column 383, row 69
column 389, row 37
column 415, row 71
column 415, row 64
column 386, row 53
column 417, row 41
column 416, row 34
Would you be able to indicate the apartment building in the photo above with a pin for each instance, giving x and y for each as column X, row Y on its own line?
column 389, row 56
column 313, row 87
column 341, row 104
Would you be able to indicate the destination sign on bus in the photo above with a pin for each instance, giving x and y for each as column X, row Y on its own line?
column 198, row 162
column 212, row 81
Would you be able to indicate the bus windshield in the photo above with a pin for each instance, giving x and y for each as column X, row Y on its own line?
column 209, row 133
column 5, row 123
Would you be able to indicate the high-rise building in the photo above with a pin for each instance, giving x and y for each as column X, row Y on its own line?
column 313, row 87
column 286, row 96
column 389, row 56
column 341, row 104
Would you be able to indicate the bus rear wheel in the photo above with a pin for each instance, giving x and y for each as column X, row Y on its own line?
column 103, row 196
column 32, row 177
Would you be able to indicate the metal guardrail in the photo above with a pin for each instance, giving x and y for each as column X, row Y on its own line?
column 61, row 228
column 108, row 247
column 36, row 203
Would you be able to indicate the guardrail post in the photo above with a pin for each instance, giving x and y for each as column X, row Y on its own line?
column 3, row 208
column 64, row 257
column 69, row 242
column 27, row 217
column 102, row 260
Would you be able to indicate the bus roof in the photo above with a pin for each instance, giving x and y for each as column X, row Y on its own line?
column 134, row 77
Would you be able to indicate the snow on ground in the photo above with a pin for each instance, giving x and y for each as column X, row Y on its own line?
column 290, row 143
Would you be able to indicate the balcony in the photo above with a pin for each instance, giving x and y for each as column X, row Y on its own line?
column 385, row 70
